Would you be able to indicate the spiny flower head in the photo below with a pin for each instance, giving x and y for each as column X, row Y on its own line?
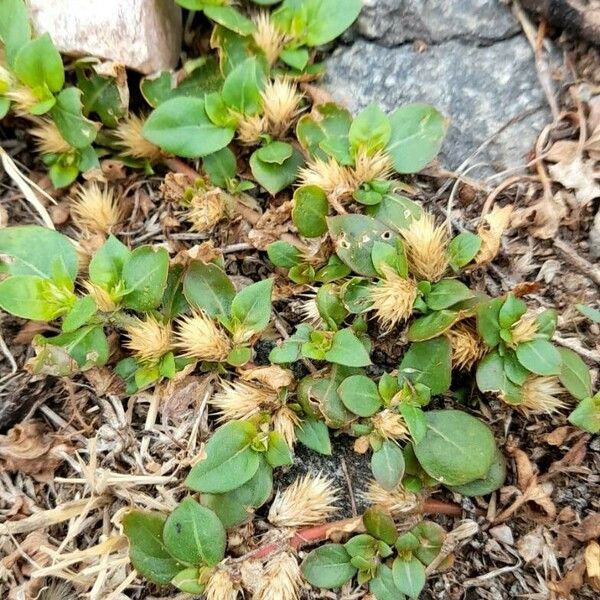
column 267, row 37
column 221, row 586
column 285, row 421
column 131, row 140
column 334, row 179
column 206, row 209
column 370, row 167
column 393, row 298
column 23, row 100
column 309, row 309
column 280, row 101
column 491, row 233
column 95, row 209
column 241, row 400
column 250, row 128
column 467, row 346
column 310, row 499
column 101, row 297
column 524, row 330
column 281, row 579
column 390, row 425
column 198, row 336
column 149, row 339
column 396, row 501
column 426, row 246
column 48, row 138
column 541, row 395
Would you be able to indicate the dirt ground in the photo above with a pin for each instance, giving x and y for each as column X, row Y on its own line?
column 98, row 453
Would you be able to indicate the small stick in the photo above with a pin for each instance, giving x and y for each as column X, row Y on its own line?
column 586, row 267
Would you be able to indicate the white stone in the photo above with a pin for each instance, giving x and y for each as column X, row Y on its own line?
column 144, row 35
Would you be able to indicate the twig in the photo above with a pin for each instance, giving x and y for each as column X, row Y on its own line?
column 586, row 267
column 575, row 345
column 350, row 490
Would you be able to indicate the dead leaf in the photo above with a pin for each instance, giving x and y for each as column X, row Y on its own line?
column 589, row 529
column 577, row 174
column 562, row 150
column 491, row 233
column 592, row 560
column 558, row 436
column 573, row 580
column 530, row 546
column 179, row 394
column 274, row 377
column 271, row 225
column 543, row 218
column 29, row 331
column 34, row 449
column 573, row 458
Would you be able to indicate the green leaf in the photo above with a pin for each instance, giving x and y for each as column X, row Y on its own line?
column 187, row 580
column 380, row 525
column 243, row 86
column 360, row 395
column 409, row 576
column 275, row 152
column 493, row 480
column 88, row 346
column 180, row 126
column 417, row 134
column 105, row 96
column 252, row 307
column 492, row 376
column 488, row 326
column 447, row 293
column 546, row 322
column 15, row 30
column 430, row 537
column 415, row 421
column 587, row 415
column 429, row 363
column 147, row 551
column 106, row 266
column 83, row 310
column 310, row 211
column 575, row 375
column 38, row 64
column 145, row 278
column 463, row 249
column 328, row 567
column 276, row 177
column 29, row 297
column 283, row 254
column 37, row 251
column 540, row 357
column 395, row 211
column 297, row 59
column 587, row 311
column 220, row 166
column 431, row 325
column 314, row 434
column 206, row 286
column 230, row 18
column 382, row 586
column 78, row 131
column 387, row 465
column 229, row 461
column 194, row 534
column 347, row 350
column 278, row 451
column 457, row 448
column 512, row 310
column 239, row 356
column 370, row 131
column 319, row 397
column 316, row 22
column 362, row 545
column 514, row 370
column 354, row 237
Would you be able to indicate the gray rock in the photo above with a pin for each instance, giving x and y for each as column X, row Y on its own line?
column 144, row 35
column 394, row 22
column 480, row 88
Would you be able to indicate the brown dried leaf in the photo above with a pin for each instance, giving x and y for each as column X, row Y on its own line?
column 592, row 560
column 29, row 331
column 179, row 394
column 530, row 546
column 205, row 252
column 562, row 150
column 274, row 377
column 34, row 449
column 543, row 218
column 574, row 457
column 589, row 529
column 557, row 436
column 578, row 175
column 271, row 225
column 491, row 233
column 572, row 581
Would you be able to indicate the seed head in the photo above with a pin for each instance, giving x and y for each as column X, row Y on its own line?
column 131, row 140
column 396, row 501
column 367, row 168
column 309, row 310
column 23, row 100
column 48, row 138
column 267, row 37
column 273, row 376
column 280, row 101
column 285, row 421
column 101, row 297
column 426, row 246
column 220, row 586
column 241, row 400
column 390, row 425
column 310, row 499
column 467, row 346
column 524, row 330
column 149, row 339
column 199, row 337
column 540, row 395
column 206, row 209
column 95, row 209
column 491, row 233
column 250, row 128
column 281, row 579
column 334, row 179
column 392, row 298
